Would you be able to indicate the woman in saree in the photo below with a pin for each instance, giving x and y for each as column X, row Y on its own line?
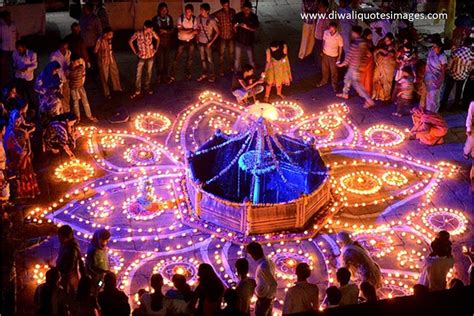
column 357, row 259
column 436, row 64
column 48, row 88
column 19, row 158
column 385, row 64
column 367, row 70
column 428, row 127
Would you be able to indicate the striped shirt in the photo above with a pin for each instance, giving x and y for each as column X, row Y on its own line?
column 461, row 63
column 103, row 49
column 77, row 75
column 407, row 88
column 358, row 54
column 146, row 49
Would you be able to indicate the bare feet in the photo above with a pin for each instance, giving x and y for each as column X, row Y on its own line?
column 342, row 95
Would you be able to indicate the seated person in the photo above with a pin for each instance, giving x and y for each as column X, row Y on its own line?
column 428, row 127
column 245, row 84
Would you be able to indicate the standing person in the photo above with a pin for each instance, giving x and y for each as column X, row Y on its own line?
column 85, row 301
column 331, row 55
column 246, row 285
column 349, row 291
column 437, row 266
column 233, row 303
column 385, row 64
column 277, row 69
column 245, row 25
column 155, row 303
column 76, row 43
column 309, row 8
column 405, row 92
column 69, row 261
column 434, row 75
column 265, row 279
column 187, row 26
column 19, row 158
column 163, row 26
column 8, row 37
column 146, row 52
column 246, row 84
column 367, row 69
column 226, row 42
column 357, row 259
column 181, row 297
column 48, row 88
column 321, row 26
column 207, row 34
column 346, row 24
column 112, row 301
column 469, row 145
column 91, row 30
column 459, row 68
column 97, row 261
column 358, row 53
column 209, row 291
column 63, row 57
column 369, row 294
column 303, row 297
column 77, row 78
column 333, row 297
column 4, row 185
column 24, row 64
column 107, row 63
column 50, row 298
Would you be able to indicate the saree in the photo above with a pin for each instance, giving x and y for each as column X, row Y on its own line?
column 367, row 74
column 428, row 127
column 383, row 76
column 18, row 149
column 358, row 261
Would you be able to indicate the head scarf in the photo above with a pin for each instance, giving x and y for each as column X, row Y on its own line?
column 100, row 234
column 49, row 79
column 14, row 116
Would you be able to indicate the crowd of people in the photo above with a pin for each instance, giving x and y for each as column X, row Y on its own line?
column 382, row 64
column 89, row 287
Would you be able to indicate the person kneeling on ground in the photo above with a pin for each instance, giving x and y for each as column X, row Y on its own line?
column 428, row 127
column 245, row 84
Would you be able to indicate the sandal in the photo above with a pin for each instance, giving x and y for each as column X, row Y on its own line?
column 342, row 95
column 135, row 95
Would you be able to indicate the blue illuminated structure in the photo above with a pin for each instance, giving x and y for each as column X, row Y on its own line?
column 257, row 165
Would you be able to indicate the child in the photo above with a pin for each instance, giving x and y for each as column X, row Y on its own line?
column 77, row 77
column 277, row 68
column 405, row 92
column 107, row 63
column 246, row 285
column 245, row 84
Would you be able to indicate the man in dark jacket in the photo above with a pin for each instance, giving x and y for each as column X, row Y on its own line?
column 69, row 261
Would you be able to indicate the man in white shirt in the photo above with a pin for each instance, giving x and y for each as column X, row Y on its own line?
column 349, row 291
column 63, row 57
column 265, row 279
column 437, row 266
column 8, row 37
column 304, row 296
column 24, row 64
column 187, row 31
column 332, row 52
column 469, row 146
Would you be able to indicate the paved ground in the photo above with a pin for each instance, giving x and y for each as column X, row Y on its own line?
column 279, row 20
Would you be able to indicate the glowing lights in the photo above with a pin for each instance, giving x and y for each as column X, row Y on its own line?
column 384, row 136
column 265, row 110
column 111, row 141
column 288, row 111
column 39, row 273
column 74, row 171
column 152, row 123
column 361, row 182
column 453, row 221
column 186, row 267
column 330, row 121
column 394, row 178
column 142, row 155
